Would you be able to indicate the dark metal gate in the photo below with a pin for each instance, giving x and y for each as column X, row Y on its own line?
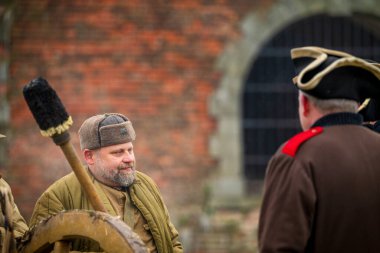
column 269, row 101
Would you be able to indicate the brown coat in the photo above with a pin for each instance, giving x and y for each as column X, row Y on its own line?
column 325, row 198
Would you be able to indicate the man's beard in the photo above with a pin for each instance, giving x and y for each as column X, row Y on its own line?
column 121, row 178
column 117, row 176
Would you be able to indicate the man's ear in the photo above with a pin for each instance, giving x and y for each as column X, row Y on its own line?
column 305, row 105
column 89, row 156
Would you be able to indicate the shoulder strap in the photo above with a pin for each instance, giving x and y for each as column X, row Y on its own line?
column 292, row 146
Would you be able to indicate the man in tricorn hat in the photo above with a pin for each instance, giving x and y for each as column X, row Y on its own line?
column 106, row 143
column 322, row 190
column 12, row 224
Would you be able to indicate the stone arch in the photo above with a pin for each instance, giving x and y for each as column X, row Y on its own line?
column 226, row 143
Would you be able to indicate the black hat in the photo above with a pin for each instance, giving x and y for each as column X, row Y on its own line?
column 327, row 74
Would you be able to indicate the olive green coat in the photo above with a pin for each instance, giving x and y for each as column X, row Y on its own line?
column 18, row 222
column 67, row 194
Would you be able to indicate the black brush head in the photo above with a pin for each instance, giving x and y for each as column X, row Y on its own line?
column 45, row 104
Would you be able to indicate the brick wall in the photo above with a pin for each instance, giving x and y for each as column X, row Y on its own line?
column 153, row 61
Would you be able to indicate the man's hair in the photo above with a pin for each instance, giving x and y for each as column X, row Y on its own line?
column 333, row 105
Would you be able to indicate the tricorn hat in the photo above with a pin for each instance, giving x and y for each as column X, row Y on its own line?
column 326, row 74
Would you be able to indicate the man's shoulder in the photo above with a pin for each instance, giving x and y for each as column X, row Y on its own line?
column 67, row 177
column 293, row 144
column 68, row 181
column 4, row 183
column 144, row 177
column 145, row 182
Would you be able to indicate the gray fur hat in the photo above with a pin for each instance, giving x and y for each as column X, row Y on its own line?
column 105, row 130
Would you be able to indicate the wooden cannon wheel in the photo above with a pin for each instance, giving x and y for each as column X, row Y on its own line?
column 112, row 234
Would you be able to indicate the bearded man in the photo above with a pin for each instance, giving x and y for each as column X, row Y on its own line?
column 106, row 143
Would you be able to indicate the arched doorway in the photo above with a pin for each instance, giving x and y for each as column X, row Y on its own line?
column 269, row 103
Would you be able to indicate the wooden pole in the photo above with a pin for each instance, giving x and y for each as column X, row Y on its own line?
column 82, row 175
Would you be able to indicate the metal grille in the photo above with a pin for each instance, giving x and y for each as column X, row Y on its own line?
column 270, row 103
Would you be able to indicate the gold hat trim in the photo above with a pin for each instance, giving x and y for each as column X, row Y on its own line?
column 320, row 55
column 364, row 104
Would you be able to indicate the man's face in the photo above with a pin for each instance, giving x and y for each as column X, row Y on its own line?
column 115, row 165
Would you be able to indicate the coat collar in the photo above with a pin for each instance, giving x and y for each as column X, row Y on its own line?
column 341, row 118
